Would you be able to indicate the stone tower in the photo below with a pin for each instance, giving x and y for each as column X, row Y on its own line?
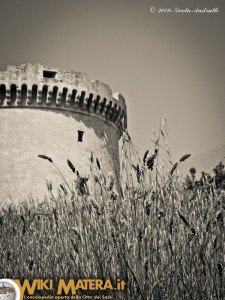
column 61, row 114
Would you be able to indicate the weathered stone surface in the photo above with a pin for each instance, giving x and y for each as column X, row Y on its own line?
column 41, row 111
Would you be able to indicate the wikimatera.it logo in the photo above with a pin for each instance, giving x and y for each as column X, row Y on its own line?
column 67, row 287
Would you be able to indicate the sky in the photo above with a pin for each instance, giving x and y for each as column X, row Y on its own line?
column 162, row 63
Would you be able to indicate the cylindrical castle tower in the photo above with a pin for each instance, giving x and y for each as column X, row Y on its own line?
column 61, row 114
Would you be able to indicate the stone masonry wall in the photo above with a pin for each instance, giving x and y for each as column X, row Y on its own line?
column 42, row 115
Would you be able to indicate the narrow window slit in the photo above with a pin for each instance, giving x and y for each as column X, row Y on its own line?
column 49, row 74
column 80, row 135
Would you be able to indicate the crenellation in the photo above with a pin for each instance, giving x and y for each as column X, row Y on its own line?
column 119, row 119
column 59, row 99
column 108, row 111
column 34, row 94
column 82, row 98
column 44, row 94
column 113, row 112
column 100, row 106
column 74, row 94
column 109, row 114
column 19, row 96
column 53, row 98
column 76, row 102
column 52, row 94
column 104, row 110
column 8, row 95
column 49, row 98
column 89, row 102
column 29, row 95
column 23, row 92
column 85, row 104
column 69, row 99
column 92, row 106
column 59, row 104
column 117, row 115
column 33, row 73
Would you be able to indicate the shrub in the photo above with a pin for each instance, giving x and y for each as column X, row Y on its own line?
column 164, row 240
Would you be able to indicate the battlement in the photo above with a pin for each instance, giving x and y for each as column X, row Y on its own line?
column 38, row 86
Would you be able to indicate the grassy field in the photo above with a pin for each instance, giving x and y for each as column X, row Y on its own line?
column 163, row 237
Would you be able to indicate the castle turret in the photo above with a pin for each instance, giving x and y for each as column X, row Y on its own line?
column 61, row 114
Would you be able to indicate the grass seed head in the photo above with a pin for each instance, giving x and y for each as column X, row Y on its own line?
column 173, row 169
column 145, row 156
column 48, row 184
column 185, row 221
column 220, row 269
column 98, row 164
column 71, row 165
column 184, row 157
column 110, row 181
column 45, row 157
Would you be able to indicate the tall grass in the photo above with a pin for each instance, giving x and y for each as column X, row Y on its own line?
column 165, row 240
